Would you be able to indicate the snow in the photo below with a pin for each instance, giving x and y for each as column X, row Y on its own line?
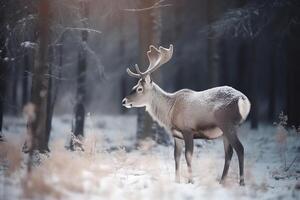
column 28, row 44
column 112, row 168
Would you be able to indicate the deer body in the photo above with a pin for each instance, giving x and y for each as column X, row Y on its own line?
column 189, row 115
column 196, row 112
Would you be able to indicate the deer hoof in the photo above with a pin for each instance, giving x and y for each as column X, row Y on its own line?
column 222, row 181
column 242, row 183
column 191, row 181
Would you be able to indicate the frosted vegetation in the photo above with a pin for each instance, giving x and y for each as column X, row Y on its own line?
column 112, row 167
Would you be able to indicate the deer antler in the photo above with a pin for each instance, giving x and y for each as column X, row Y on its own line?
column 135, row 75
column 157, row 57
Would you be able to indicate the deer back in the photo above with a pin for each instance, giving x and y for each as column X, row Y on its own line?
column 200, row 110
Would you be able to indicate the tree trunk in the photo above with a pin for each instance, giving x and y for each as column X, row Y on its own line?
column 240, row 82
column 254, row 90
column 26, row 68
column 272, row 86
column 212, row 46
column 178, row 17
column 224, row 69
column 81, row 77
column 246, row 77
column 53, row 91
column 149, row 34
column 50, row 99
column 293, row 80
column 40, row 83
column 2, row 69
column 123, row 61
column 15, row 83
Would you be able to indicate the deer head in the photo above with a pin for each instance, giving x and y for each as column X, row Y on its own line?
column 140, row 94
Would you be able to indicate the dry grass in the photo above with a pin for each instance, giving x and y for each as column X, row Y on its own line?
column 10, row 157
column 146, row 172
column 64, row 172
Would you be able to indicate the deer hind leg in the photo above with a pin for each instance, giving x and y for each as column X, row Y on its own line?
column 230, row 132
column 178, row 144
column 189, row 148
column 228, row 155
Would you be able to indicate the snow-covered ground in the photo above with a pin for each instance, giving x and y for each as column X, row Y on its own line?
column 111, row 167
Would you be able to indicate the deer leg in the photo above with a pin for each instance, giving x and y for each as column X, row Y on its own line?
column 228, row 155
column 189, row 148
column 234, row 141
column 177, row 154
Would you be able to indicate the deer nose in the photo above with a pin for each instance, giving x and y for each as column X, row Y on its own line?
column 124, row 101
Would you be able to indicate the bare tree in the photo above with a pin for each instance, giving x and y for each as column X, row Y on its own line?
column 253, row 84
column 122, row 58
column 25, row 81
column 40, row 82
column 81, row 78
column 272, row 85
column 2, row 68
column 212, row 45
column 293, row 71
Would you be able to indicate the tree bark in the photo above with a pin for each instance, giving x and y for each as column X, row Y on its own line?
column 252, row 66
column 50, row 98
column 123, row 61
column 2, row 69
column 40, row 83
column 178, row 17
column 26, row 67
column 81, row 78
column 293, row 71
column 212, row 46
column 272, row 86
column 224, row 69
column 15, row 83
column 53, row 91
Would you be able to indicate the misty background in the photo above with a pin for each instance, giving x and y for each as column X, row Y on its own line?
column 250, row 45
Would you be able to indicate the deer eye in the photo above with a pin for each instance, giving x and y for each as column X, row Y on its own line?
column 139, row 89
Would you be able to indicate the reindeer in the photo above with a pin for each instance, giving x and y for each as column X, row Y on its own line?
column 190, row 115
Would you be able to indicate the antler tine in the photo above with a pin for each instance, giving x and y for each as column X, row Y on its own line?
column 167, row 54
column 158, row 57
column 132, row 74
column 153, row 56
column 137, row 69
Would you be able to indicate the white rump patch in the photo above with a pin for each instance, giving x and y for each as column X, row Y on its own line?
column 244, row 107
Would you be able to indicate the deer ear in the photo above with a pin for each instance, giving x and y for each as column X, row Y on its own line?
column 148, row 79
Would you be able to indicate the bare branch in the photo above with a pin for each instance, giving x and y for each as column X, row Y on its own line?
column 83, row 29
column 154, row 6
column 73, row 28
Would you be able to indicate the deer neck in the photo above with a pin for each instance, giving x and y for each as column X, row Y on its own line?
column 160, row 106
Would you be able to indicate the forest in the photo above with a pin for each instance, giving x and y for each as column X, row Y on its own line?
column 64, row 133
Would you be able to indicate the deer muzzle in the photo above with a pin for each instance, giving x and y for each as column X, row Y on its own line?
column 126, row 104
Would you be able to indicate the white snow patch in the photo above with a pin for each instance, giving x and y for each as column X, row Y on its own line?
column 28, row 44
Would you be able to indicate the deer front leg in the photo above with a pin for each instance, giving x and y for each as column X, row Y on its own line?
column 189, row 148
column 177, row 154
